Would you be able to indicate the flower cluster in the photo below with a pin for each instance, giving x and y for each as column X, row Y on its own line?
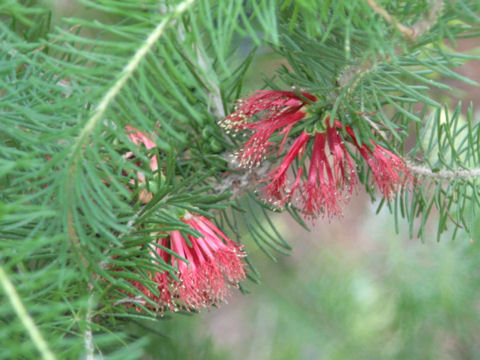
column 279, row 111
column 388, row 169
column 206, row 265
column 325, row 175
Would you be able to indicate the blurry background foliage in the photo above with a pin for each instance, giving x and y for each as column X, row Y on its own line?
column 352, row 289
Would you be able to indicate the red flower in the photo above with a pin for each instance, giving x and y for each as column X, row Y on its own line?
column 331, row 175
column 279, row 191
column 278, row 111
column 389, row 170
column 329, row 181
column 207, row 265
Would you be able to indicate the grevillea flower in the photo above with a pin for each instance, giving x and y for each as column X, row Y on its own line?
column 388, row 169
column 331, row 176
column 206, row 267
column 327, row 184
column 277, row 112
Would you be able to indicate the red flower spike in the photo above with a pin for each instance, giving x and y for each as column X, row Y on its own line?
column 278, row 111
column 213, row 263
column 389, row 170
column 331, row 176
column 319, row 195
column 329, row 182
column 277, row 191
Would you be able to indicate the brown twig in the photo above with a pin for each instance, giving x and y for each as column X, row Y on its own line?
column 443, row 174
column 423, row 25
column 356, row 72
column 417, row 29
column 390, row 19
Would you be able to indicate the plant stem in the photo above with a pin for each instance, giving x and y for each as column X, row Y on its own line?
column 24, row 317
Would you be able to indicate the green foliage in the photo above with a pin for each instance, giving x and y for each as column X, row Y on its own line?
column 449, row 145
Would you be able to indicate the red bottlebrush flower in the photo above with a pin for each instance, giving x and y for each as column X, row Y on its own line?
column 278, row 191
column 209, row 264
column 389, row 170
column 331, row 175
column 278, row 111
column 329, row 182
